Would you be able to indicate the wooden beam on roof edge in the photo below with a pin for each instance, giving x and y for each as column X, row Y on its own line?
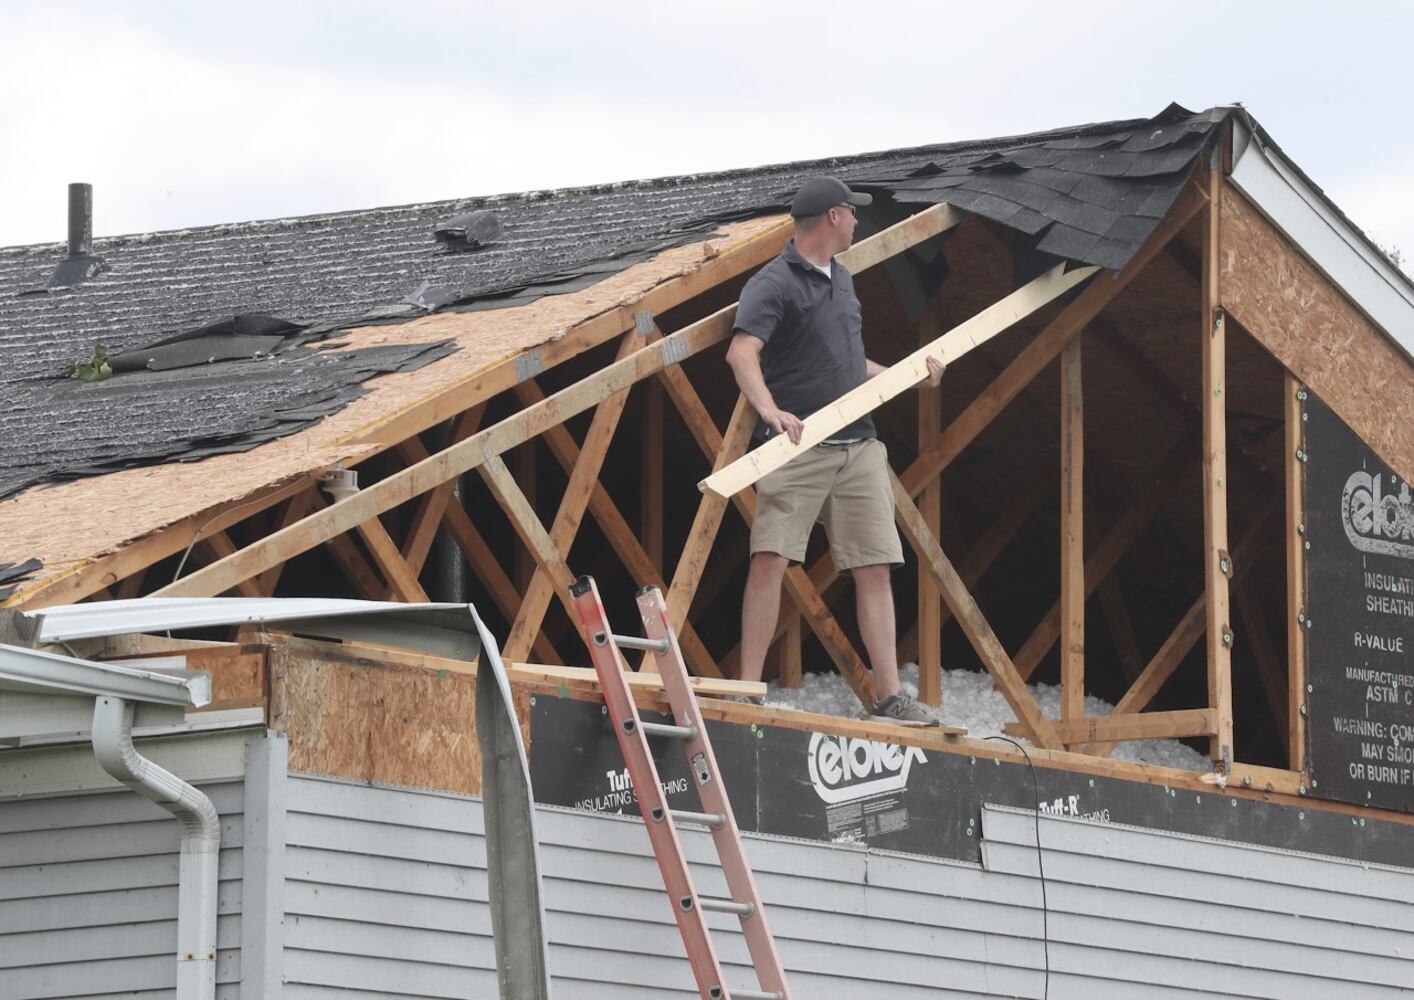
column 139, row 554
column 899, row 377
column 401, row 487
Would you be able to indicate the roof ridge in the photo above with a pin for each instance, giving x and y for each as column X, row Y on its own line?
column 539, row 194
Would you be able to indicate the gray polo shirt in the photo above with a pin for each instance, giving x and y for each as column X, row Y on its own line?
column 812, row 326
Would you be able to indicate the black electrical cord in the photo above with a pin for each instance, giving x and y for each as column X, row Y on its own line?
column 1040, row 866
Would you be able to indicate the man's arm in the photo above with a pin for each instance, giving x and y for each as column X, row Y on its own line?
column 744, row 356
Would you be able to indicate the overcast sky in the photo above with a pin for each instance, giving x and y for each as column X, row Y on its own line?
column 184, row 114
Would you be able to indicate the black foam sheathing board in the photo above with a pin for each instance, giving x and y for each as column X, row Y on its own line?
column 185, row 414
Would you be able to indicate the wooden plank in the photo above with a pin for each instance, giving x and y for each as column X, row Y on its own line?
column 1073, row 590
column 1122, row 728
column 697, row 548
column 789, row 674
column 708, row 687
column 402, row 581
column 1318, row 335
column 1177, row 646
column 1217, row 566
column 1264, row 655
column 365, row 580
column 1044, row 348
column 651, row 472
column 218, row 545
column 568, row 518
column 616, row 529
column 129, row 588
column 899, row 377
column 295, row 508
column 1172, row 396
column 527, row 525
column 1295, row 544
column 469, row 454
column 1121, row 626
column 480, row 557
column 1112, row 547
column 929, row 625
column 974, row 624
column 522, row 460
column 432, row 507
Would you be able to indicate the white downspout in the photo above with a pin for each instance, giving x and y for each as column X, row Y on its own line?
column 201, row 842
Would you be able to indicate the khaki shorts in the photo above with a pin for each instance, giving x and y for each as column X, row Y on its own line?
column 845, row 488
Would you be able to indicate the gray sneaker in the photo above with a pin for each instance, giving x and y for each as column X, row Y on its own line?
column 902, row 710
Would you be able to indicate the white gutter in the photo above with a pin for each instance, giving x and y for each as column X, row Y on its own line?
column 201, row 842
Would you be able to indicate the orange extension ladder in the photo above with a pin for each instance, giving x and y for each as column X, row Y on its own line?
column 633, row 734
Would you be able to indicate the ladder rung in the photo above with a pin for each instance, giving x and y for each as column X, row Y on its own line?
column 742, row 910
column 714, row 820
column 755, row 995
column 638, row 642
column 676, row 732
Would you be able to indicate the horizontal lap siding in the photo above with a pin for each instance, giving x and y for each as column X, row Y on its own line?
column 1128, row 906
column 386, row 896
column 88, row 895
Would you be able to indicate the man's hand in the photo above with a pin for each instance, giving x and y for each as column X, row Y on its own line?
column 935, row 373
column 783, row 423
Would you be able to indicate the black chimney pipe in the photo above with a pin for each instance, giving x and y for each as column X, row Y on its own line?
column 80, row 220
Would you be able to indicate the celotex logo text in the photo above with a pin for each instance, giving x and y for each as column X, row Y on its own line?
column 844, row 769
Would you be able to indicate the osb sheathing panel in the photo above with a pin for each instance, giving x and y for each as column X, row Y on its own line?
column 1298, row 315
column 376, row 721
column 69, row 524
column 238, row 675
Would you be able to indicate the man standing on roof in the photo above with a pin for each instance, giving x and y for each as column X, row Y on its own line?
column 798, row 345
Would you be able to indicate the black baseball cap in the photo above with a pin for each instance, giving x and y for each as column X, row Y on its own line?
column 820, row 194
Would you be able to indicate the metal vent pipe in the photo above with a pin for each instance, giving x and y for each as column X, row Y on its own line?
column 80, row 219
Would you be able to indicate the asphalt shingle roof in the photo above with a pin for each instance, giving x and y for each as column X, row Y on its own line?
column 1091, row 194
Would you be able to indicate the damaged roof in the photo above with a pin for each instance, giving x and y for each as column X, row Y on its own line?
column 1090, row 194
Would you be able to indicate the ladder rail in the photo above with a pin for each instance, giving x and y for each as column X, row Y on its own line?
column 741, row 883
column 657, row 818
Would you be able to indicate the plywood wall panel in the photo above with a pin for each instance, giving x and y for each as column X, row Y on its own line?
column 1279, row 297
column 393, row 723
